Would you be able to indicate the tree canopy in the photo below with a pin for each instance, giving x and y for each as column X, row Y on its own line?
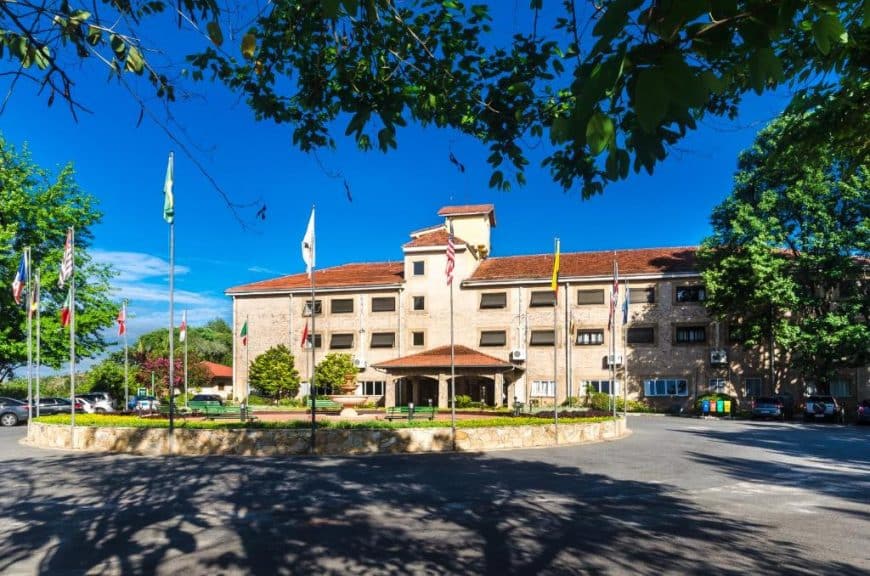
column 611, row 85
column 789, row 257
column 274, row 373
column 333, row 370
column 212, row 342
column 35, row 211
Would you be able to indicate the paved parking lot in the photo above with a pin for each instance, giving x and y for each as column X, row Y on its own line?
column 678, row 496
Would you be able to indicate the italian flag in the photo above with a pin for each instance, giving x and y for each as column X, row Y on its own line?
column 244, row 334
column 64, row 312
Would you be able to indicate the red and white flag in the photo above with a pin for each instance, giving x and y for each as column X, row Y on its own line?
column 66, row 265
column 451, row 256
column 65, row 311
column 122, row 320
column 182, row 330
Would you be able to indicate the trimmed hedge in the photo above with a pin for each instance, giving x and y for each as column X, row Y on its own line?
column 112, row 420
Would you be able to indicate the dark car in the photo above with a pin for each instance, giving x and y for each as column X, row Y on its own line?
column 47, row 406
column 862, row 416
column 819, row 408
column 771, row 407
column 207, row 398
column 12, row 411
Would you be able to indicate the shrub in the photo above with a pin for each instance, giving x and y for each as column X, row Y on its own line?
column 463, row 401
column 572, row 401
column 255, row 400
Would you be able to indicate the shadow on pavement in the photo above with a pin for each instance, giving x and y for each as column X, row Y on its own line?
column 456, row 514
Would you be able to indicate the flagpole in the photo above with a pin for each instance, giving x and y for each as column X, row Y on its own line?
column 308, row 244
column 613, row 297
column 27, row 304
column 185, row 358
column 451, row 264
column 555, row 339
column 171, row 326
column 625, row 353
column 247, row 367
column 72, row 340
column 38, row 341
column 126, row 361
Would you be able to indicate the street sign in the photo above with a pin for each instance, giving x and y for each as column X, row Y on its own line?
column 142, row 392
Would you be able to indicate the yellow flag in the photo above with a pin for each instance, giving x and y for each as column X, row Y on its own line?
column 554, row 284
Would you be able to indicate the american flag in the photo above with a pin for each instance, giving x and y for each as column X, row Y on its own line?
column 66, row 266
column 451, row 256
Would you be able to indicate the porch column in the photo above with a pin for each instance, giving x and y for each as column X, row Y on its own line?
column 498, row 390
column 390, row 392
column 443, row 391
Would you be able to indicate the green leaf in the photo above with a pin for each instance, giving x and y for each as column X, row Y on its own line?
column 249, row 45
column 826, row 29
column 118, row 46
column 560, row 130
column 135, row 62
column 764, row 68
column 350, row 6
column 214, row 33
column 42, row 57
column 79, row 16
column 94, row 35
column 650, row 98
column 330, row 8
column 496, row 180
column 599, row 132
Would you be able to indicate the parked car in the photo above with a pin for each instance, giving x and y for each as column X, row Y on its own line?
column 771, row 407
column 823, row 408
column 862, row 415
column 50, row 405
column 12, row 411
column 83, row 405
column 144, row 403
column 100, row 401
column 207, row 398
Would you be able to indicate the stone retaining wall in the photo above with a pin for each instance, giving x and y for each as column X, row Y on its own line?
column 339, row 442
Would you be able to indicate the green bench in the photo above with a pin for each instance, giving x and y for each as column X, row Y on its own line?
column 408, row 413
column 200, row 406
column 180, row 410
column 325, row 405
column 215, row 411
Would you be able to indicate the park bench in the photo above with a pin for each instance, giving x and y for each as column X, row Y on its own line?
column 217, row 412
column 200, row 406
column 325, row 406
column 411, row 413
column 180, row 410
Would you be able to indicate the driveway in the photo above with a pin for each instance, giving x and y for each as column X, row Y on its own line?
column 679, row 496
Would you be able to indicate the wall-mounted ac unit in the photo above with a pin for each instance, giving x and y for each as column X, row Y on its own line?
column 614, row 359
column 718, row 357
column 359, row 363
column 518, row 355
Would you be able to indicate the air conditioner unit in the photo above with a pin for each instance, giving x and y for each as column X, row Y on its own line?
column 614, row 359
column 718, row 357
column 518, row 355
column 359, row 363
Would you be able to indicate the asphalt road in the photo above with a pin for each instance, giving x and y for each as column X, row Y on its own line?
column 679, row 496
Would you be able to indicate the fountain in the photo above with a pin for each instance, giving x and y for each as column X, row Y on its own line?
column 347, row 398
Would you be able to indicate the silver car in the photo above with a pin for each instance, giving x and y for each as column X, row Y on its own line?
column 12, row 411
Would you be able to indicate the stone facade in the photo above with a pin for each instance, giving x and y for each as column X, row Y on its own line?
column 338, row 442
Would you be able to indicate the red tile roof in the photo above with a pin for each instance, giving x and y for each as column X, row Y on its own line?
column 433, row 238
column 346, row 275
column 580, row 264
column 464, row 357
column 217, row 370
column 468, row 209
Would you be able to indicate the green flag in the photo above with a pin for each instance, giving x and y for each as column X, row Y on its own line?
column 244, row 334
column 168, row 198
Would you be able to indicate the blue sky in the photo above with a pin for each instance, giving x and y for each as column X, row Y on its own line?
column 124, row 165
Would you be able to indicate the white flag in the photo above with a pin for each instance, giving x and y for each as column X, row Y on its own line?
column 68, row 263
column 182, row 332
column 308, row 245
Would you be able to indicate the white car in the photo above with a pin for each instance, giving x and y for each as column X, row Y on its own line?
column 100, row 402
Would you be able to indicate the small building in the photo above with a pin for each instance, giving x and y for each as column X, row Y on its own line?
column 220, row 379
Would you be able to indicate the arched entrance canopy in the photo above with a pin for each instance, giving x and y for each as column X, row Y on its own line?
column 418, row 372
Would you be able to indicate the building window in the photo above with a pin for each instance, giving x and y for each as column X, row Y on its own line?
column 419, row 303
column 318, row 308
column 839, row 388
column 341, row 341
column 666, row 387
column 543, row 298
column 599, row 386
column 417, row 339
column 589, row 337
column 717, row 385
column 691, row 294
column 342, row 306
column 318, row 340
column 493, row 300
column 543, row 388
column 542, row 338
column 383, row 340
column 373, row 387
column 752, row 387
column 384, row 304
column 493, row 338
column 642, row 295
column 641, row 335
column 690, row 334
column 586, row 297
column 419, row 268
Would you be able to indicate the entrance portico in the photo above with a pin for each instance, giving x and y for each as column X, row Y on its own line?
column 425, row 377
